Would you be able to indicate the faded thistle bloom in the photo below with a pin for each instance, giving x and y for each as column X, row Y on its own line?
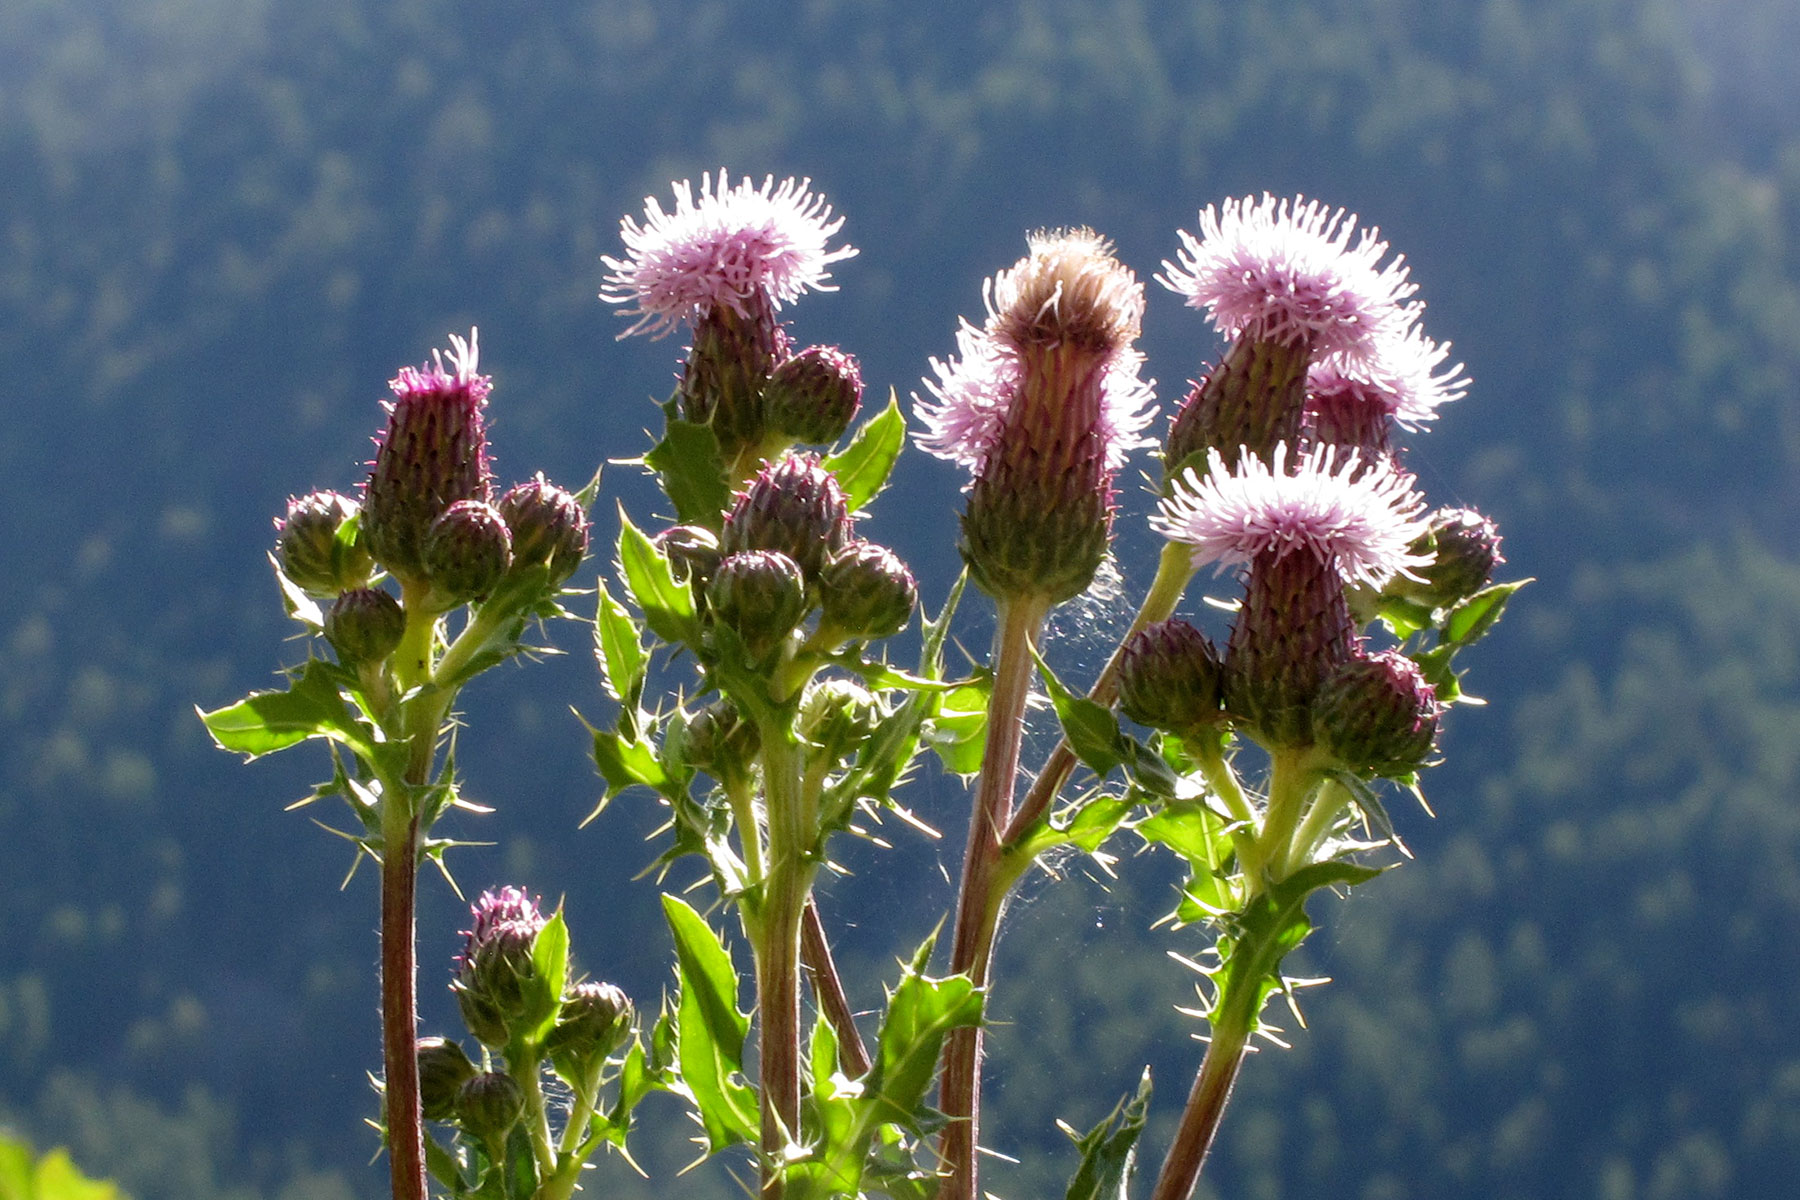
column 1042, row 404
column 724, row 264
column 1290, row 283
column 1305, row 535
column 433, row 454
column 1355, row 405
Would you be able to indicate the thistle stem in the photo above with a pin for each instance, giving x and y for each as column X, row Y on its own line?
column 980, row 899
column 399, row 1006
column 778, row 952
column 1173, row 571
column 1292, row 781
column 828, row 991
column 1316, row 826
column 1205, row 1107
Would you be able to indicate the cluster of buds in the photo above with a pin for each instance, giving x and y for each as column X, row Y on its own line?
column 1283, row 460
column 723, row 265
column 429, row 519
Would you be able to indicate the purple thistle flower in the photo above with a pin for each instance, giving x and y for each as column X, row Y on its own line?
column 1404, row 378
column 504, row 906
column 1295, row 273
column 1363, row 524
column 722, row 250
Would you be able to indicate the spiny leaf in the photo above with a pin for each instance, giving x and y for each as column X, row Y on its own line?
column 692, row 471
column 1109, row 1149
column 264, row 722
column 667, row 605
column 712, row 1030
column 1470, row 621
column 1091, row 729
column 616, row 645
column 862, row 468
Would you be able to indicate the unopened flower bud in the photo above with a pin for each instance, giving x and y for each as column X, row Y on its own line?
column 548, row 528
column 865, row 591
column 837, row 716
column 595, row 1021
column 433, row 453
column 1462, row 548
column 365, row 626
column 1170, row 678
column 720, row 742
column 813, row 396
column 467, row 551
column 497, row 985
column 795, row 506
column 443, row 1069
column 315, row 549
column 1378, row 714
column 692, row 550
column 489, row 1105
column 761, row 596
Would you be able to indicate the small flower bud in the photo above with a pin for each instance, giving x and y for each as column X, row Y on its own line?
column 467, row 551
column 1170, row 678
column 720, row 742
column 761, row 596
column 1462, row 548
column 433, row 453
column 813, row 396
column 314, row 549
column 548, row 528
column 365, row 626
column 837, row 716
column 865, row 591
column 1378, row 714
column 795, row 506
column 489, row 1105
column 497, row 985
column 692, row 550
column 443, row 1069
column 595, row 1021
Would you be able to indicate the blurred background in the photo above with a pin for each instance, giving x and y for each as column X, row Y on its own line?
column 226, row 223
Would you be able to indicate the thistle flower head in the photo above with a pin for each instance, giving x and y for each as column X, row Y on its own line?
column 1404, row 378
column 721, row 250
column 1069, row 288
column 813, row 396
column 1291, row 272
column 1363, row 524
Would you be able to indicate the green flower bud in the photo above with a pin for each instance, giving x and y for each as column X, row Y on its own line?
column 595, row 1021
column 443, row 1069
column 1378, row 714
column 489, row 1105
column 865, row 591
column 692, row 550
column 467, row 551
column 365, row 626
column 761, row 596
column 497, row 985
column 813, row 396
column 720, row 742
column 1464, row 548
column 315, row 550
column 1170, row 678
column 837, row 716
column 794, row 506
column 548, row 528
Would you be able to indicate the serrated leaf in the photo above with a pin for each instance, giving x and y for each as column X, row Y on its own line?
column 1470, row 621
column 667, row 605
column 1268, row 928
column 1109, row 1149
column 264, row 722
column 621, row 656
column 862, row 468
column 624, row 763
column 711, row 1030
column 957, row 731
column 692, row 472
column 1091, row 729
column 921, row 1013
column 550, row 964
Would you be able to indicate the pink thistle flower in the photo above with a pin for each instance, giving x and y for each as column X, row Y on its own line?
column 1404, row 378
column 461, row 375
column 722, row 250
column 1292, row 272
column 1361, row 519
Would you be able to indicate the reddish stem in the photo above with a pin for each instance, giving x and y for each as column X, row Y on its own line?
column 399, row 1015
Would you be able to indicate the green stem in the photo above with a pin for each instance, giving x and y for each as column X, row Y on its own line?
column 789, row 879
column 1317, row 825
column 1224, row 784
column 1292, row 779
column 1173, row 571
column 980, row 899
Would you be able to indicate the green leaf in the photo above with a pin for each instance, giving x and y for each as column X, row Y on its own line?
column 624, row 763
column 550, row 963
column 1470, row 621
column 1109, row 1149
column 621, row 655
column 921, row 1013
column 862, row 468
column 668, row 606
column 264, row 722
column 1091, row 729
column 711, row 1030
column 692, row 472
column 1266, row 929
column 958, row 730
column 51, row 1177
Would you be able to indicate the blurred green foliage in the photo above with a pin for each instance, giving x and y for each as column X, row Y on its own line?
column 228, row 223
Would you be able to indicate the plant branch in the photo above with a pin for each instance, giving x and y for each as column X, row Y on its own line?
column 828, row 990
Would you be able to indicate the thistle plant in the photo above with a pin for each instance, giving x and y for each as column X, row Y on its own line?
column 765, row 685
